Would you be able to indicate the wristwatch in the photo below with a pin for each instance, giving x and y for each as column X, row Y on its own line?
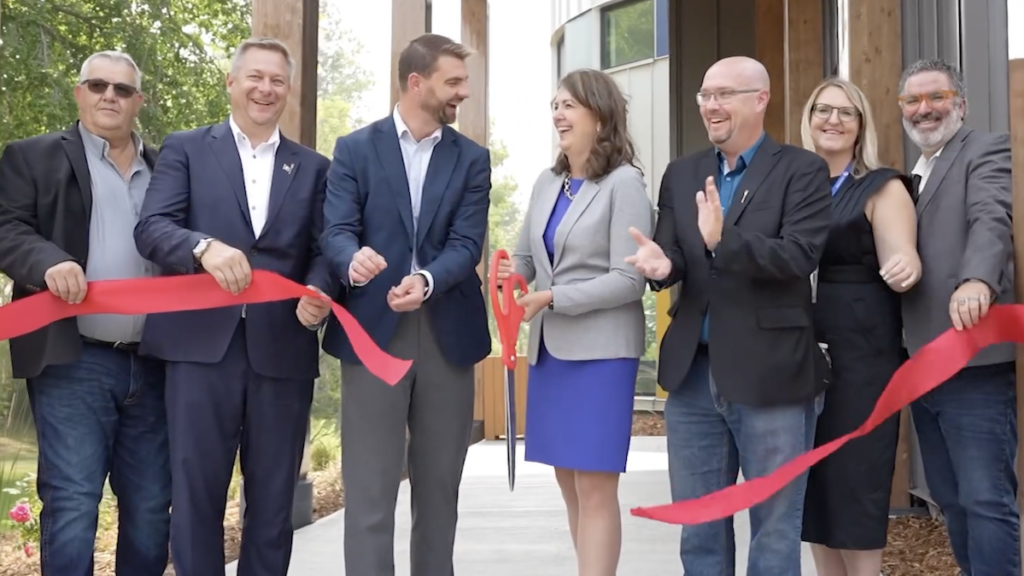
column 201, row 247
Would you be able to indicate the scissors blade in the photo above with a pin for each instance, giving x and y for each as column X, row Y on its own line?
column 510, row 425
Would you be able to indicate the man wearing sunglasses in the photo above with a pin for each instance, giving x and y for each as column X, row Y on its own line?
column 69, row 202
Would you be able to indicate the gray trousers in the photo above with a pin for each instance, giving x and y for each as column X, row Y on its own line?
column 435, row 402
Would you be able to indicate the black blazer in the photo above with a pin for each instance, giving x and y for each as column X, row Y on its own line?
column 45, row 207
column 762, row 350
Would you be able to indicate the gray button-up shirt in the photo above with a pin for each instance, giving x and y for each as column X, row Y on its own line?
column 116, row 202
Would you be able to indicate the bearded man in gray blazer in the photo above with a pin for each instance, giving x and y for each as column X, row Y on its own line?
column 967, row 427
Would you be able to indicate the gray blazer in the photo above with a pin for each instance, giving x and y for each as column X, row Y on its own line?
column 964, row 232
column 596, row 310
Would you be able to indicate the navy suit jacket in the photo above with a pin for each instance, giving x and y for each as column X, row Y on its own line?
column 198, row 191
column 368, row 204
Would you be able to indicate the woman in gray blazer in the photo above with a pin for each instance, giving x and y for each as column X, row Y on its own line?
column 586, row 317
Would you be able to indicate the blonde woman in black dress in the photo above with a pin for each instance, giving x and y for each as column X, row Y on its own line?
column 869, row 259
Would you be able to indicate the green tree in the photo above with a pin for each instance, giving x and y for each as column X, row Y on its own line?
column 341, row 80
column 181, row 46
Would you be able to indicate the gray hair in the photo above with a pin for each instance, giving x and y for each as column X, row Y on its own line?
column 956, row 78
column 113, row 56
column 264, row 43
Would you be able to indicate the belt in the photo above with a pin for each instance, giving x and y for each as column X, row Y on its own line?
column 123, row 346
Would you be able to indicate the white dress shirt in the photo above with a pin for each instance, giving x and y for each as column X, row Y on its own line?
column 923, row 168
column 416, row 157
column 258, row 171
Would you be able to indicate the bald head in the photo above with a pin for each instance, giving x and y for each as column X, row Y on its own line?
column 733, row 100
column 742, row 70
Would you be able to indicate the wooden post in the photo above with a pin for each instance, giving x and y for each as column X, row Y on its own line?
column 408, row 21
column 1016, row 99
column 876, row 63
column 296, row 23
column 788, row 41
column 474, row 122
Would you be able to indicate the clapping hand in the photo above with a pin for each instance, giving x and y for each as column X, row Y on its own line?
column 650, row 259
column 709, row 214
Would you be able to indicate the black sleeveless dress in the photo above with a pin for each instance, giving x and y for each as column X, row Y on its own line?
column 858, row 316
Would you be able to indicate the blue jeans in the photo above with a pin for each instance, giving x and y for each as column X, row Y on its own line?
column 967, row 430
column 102, row 415
column 709, row 441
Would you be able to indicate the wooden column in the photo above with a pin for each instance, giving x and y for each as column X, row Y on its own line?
column 473, row 114
column 875, row 64
column 1016, row 100
column 474, row 122
column 788, row 41
column 296, row 23
column 408, row 21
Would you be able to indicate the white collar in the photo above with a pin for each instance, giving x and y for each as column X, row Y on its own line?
column 403, row 128
column 923, row 163
column 240, row 136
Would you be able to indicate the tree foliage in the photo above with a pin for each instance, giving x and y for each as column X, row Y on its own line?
column 181, row 46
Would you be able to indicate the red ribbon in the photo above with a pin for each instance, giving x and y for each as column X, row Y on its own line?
column 191, row 292
column 933, row 364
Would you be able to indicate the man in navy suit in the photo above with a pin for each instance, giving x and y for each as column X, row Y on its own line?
column 226, row 199
column 405, row 219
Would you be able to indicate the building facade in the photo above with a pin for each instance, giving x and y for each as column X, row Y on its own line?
column 658, row 51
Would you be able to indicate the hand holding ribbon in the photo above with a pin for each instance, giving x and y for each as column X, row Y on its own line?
column 933, row 364
column 191, row 292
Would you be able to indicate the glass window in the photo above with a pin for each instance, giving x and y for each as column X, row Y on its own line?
column 627, row 33
column 661, row 21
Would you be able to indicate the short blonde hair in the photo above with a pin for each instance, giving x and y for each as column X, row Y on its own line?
column 865, row 148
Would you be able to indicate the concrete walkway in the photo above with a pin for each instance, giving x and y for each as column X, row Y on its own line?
column 525, row 532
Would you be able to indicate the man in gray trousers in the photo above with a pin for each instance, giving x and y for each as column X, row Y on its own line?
column 967, row 427
column 404, row 225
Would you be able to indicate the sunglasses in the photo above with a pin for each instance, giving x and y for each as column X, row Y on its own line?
column 122, row 91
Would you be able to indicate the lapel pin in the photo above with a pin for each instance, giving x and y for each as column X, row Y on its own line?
column 288, row 168
column 744, row 197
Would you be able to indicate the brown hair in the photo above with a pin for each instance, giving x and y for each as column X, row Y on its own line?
column 421, row 56
column 264, row 43
column 598, row 92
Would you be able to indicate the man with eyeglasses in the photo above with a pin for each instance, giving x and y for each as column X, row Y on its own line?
column 744, row 374
column 69, row 202
column 967, row 427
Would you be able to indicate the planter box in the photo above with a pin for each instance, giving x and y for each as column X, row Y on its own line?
column 490, row 401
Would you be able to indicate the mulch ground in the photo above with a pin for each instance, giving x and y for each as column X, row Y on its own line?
column 917, row 546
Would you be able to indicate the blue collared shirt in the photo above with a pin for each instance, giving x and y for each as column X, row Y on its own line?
column 728, row 182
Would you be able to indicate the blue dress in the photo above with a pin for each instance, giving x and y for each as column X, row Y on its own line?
column 579, row 413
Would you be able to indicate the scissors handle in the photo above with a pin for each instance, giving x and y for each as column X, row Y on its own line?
column 507, row 313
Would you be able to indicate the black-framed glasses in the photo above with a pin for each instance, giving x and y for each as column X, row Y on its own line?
column 846, row 113
column 722, row 96
column 121, row 90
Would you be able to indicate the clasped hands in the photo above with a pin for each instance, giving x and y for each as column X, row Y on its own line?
column 406, row 297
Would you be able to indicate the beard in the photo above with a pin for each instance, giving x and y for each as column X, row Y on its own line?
column 438, row 110
column 936, row 137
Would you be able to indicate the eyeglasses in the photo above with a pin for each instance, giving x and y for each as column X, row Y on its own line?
column 122, row 91
column 846, row 113
column 935, row 99
column 722, row 96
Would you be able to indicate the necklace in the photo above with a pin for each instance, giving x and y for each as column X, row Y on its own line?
column 567, row 189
